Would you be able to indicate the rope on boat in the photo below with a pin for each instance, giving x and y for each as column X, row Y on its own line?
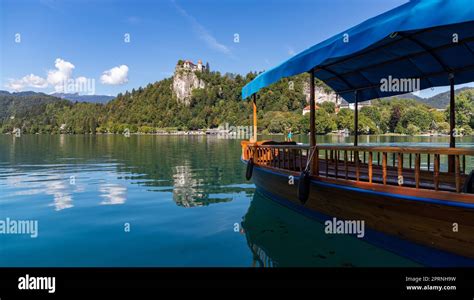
column 311, row 150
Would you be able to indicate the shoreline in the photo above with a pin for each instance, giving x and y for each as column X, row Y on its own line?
column 203, row 133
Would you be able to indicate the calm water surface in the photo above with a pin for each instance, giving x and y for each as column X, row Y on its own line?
column 184, row 199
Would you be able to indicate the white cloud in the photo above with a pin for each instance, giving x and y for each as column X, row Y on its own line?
column 59, row 77
column 27, row 81
column 115, row 76
column 202, row 32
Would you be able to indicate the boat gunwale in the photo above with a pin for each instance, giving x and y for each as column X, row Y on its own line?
column 430, row 196
column 391, row 149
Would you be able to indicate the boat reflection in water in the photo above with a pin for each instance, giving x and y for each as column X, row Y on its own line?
column 280, row 237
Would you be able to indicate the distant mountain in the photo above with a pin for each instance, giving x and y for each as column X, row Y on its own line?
column 20, row 94
column 409, row 96
column 442, row 100
column 437, row 101
column 84, row 98
column 71, row 97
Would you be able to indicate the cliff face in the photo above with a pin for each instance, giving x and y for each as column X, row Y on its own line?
column 320, row 95
column 185, row 81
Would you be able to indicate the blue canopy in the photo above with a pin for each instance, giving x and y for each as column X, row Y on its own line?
column 422, row 39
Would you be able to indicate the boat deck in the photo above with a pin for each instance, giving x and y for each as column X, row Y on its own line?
column 438, row 169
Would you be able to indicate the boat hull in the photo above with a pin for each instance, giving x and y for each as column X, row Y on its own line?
column 425, row 230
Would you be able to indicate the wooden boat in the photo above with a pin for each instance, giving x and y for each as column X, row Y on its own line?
column 409, row 201
column 427, row 208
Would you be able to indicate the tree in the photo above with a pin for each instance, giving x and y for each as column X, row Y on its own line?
column 345, row 119
column 372, row 113
column 443, row 127
column 419, row 118
column 437, row 116
column 412, row 129
column 324, row 122
column 394, row 118
column 329, row 107
column 464, row 109
column 366, row 125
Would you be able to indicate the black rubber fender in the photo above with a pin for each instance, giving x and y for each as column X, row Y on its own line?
column 469, row 184
column 248, row 173
column 304, row 186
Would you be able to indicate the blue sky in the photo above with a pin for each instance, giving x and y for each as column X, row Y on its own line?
column 84, row 40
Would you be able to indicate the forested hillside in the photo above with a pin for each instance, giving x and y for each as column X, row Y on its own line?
column 154, row 108
column 31, row 111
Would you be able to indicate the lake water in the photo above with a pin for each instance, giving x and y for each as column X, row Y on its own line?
column 110, row 200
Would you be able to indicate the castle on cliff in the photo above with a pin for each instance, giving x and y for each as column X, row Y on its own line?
column 190, row 66
column 185, row 80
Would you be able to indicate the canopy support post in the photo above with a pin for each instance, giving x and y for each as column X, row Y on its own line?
column 356, row 119
column 254, row 105
column 452, row 122
column 312, row 110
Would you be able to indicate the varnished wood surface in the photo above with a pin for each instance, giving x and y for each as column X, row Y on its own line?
column 413, row 150
column 380, row 187
column 425, row 223
column 360, row 164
